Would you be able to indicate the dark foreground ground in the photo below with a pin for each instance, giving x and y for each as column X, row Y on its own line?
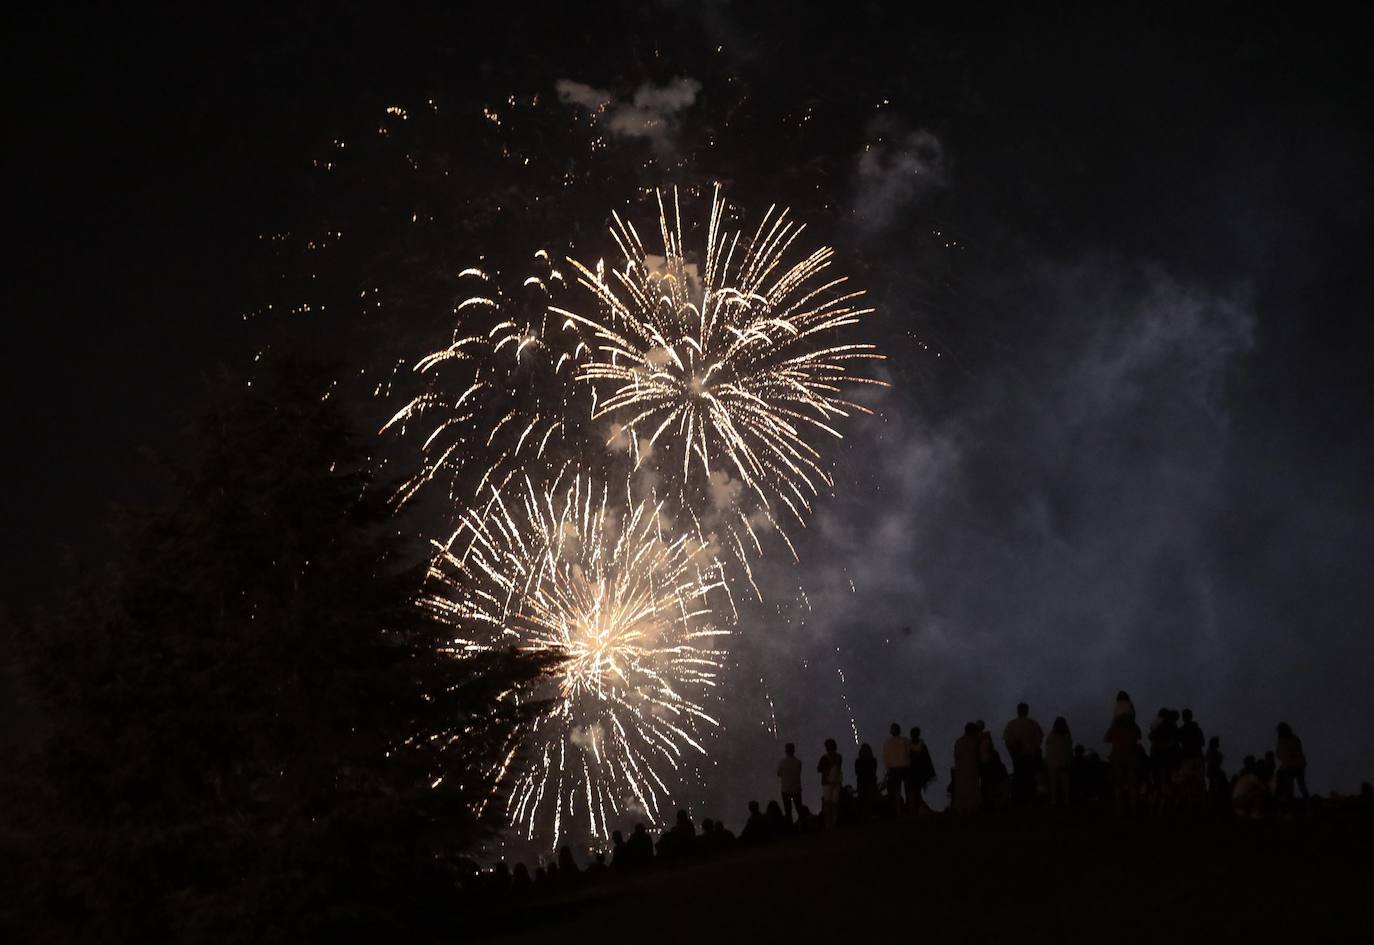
column 1011, row 877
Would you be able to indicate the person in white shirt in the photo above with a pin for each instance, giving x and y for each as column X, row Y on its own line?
column 1023, row 737
column 897, row 761
column 789, row 780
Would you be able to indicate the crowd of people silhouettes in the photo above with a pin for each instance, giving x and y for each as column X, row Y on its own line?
column 1170, row 766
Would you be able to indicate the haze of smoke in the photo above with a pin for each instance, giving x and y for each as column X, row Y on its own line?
column 1052, row 540
column 894, row 174
column 650, row 114
column 578, row 93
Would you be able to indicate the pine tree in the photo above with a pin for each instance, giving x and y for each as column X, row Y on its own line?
column 252, row 732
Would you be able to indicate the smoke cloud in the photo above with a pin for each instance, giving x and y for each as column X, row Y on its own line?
column 651, row 113
column 577, row 93
column 895, row 173
column 1052, row 538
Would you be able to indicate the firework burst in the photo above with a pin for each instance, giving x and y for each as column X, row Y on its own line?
column 566, row 571
column 725, row 372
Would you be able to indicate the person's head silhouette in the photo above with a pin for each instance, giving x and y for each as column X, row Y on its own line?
column 1187, row 715
column 789, row 749
column 1061, row 726
column 1285, row 730
column 753, row 807
column 894, row 729
column 831, row 746
column 970, row 728
column 1022, row 710
column 915, row 733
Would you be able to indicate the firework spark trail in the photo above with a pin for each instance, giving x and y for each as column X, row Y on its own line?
column 770, row 726
column 500, row 391
column 567, row 571
column 730, row 372
column 844, row 697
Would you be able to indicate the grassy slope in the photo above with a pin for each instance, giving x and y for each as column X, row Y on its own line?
column 1034, row 877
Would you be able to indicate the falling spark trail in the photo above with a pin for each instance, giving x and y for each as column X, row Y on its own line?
column 771, row 726
column 844, row 697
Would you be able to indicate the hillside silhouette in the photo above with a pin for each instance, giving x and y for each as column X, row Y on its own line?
column 1028, row 875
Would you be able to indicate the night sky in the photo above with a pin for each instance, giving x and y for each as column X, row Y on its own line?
column 1121, row 263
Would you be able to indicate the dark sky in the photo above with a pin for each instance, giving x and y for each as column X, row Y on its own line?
column 1122, row 270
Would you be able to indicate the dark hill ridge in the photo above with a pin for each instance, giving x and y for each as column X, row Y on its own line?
column 1001, row 878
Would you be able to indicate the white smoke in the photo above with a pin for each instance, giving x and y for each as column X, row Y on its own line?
column 659, row 356
column 578, row 93
column 587, row 736
column 725, row 490
column 675, row 96
column 896, row 172
column 650, row 114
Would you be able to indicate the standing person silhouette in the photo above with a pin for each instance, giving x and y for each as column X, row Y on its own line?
column 831, row 768
column 1292, row 771
column 1124, row 737
column 1059, row 761
column 789, row 780
column 1191, row 742
column 1122, row 706
column 1192, row 768
column 866, row 778
column 922, row 771
column 567, row 866
column 1023, row 737
column 992, row 774
column 965, row 794
column 755, row 826
column 1218, row 785
column 897, row 761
